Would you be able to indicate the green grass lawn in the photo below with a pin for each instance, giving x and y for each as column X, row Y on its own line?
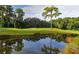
column 32, row 31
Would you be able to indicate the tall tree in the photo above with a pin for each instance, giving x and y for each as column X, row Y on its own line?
column 50, row 12
column 19, row 14
column 6, row 13
column 14, row 19
column 1, row 14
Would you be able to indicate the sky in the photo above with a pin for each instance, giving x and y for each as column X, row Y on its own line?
column 36, row 10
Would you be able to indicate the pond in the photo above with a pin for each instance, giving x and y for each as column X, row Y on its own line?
column 37, row 44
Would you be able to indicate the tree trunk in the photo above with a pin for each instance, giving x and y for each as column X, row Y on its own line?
column 51, row 19
column 8, row 24
column 7, row 19
column 51, row 23
column 2, row 18
column 14, row 24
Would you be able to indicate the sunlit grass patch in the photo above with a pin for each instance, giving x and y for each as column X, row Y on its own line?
column 31, row 31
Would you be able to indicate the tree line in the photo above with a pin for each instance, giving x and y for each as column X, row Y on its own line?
column 14, row 19
column 66, row 23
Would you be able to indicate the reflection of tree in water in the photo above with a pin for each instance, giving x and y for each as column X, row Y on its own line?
column 49, row 50
column 19, row 45
column 57, row 37
column 60, row 37
column 35, row 37
column 5, row 49
column 8, row 45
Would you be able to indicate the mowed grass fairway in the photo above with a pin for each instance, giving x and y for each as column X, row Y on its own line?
column 32, row 31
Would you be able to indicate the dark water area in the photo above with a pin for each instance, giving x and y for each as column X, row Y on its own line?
column 37, row 44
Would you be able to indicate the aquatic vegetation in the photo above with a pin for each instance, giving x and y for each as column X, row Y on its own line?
column 72, row 47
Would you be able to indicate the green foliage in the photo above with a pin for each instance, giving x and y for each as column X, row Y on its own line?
column 10, row 19
column 32, row 31
column 35, row 23
column 19, row 14
column 66, row 23
column 50, row 12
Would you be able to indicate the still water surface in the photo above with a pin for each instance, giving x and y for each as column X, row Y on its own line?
column 51, row 44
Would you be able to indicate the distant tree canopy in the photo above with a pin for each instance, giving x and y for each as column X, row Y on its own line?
column 66, row 23
column 35, row 23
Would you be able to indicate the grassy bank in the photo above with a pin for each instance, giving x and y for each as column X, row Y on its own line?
column 32, row 31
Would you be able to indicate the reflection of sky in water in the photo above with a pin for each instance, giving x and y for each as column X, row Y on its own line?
column 35, row 47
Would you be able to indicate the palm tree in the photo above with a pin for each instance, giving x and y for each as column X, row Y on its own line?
column 50, row 12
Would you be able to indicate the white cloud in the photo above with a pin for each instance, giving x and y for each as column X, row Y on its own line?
column 36, row 11
column 69, row 10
